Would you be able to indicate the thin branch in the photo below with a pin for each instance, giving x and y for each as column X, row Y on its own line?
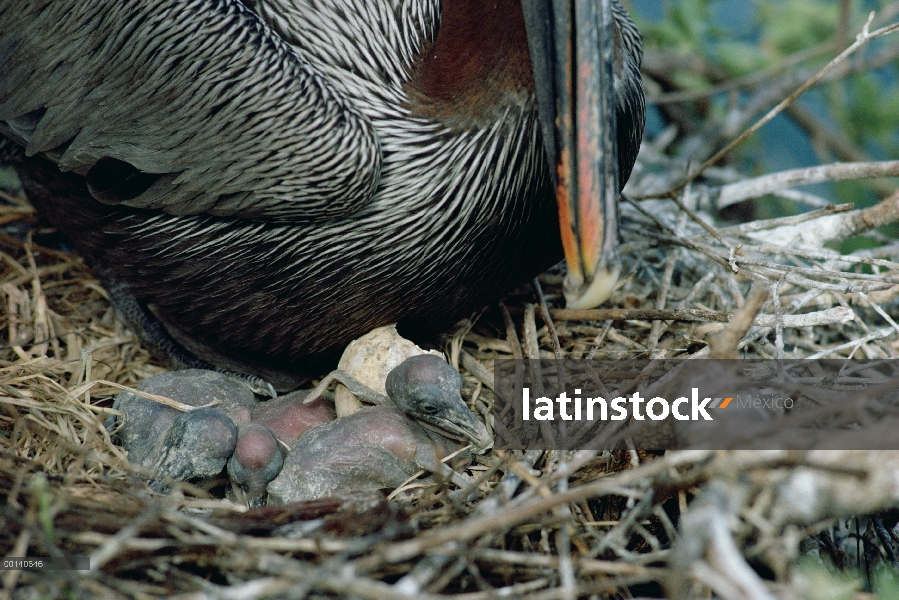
column 862, row 39
column 766, row 184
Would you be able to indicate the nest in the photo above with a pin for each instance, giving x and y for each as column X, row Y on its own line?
column 544, row 525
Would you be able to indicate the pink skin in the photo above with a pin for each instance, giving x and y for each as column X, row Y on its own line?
column 375, row 448
column 262, row 444
column 289, row 418
column 256, row 447
column 257, row 459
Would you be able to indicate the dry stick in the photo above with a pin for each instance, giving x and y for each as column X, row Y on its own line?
column 563, row 535
column 883, row 213
column 599, row 339
column 750, row 80
column 116, row 544
column 830, row 316
column 863, row 326
column 823, row 254
column 83, row 388
column 774, row 271
column 824, row 273
column 585, row 565
column 879, row 311
column 656, row 332
column 673, row 238
column 40, row 322
column 724, row 344
column 732, row 193
column 20, row 548
column 670, row 262
column 863, row 38
column 474, row 366
column 796, row 304
column 478, row 525
column 764, row 224
column 547, row 318
column 844, row 289
column 778, row 321
column 838, row 228
column 429, row 567
column 854, row 344
column 511, row 334
column 531, row 343
column 711, row 230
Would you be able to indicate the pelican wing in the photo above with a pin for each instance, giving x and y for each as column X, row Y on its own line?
column 187, row 106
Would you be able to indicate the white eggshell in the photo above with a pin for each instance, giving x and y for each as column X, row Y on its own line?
column 369, row 359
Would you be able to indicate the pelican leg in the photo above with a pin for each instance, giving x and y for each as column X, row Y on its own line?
column 158, row 341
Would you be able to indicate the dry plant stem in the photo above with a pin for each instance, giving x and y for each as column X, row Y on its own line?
column 478, row 525
column 829, row 316
column 823, row 254
column 766, row 271
column 547, row 318
column 837, row 227
column 115, row 544
column 531, row 343
column 511, row 333
column 778, row 321
column 474, row 366
column 83, row 388
column 707, row 551
column 429, row 567
column 724, row 344
column 784, row 221
column 854, row 344
column 879, row 310
column 656, row 331
column 673, row 238
column 20, row 548
column 711, row 230
column 795, row 305
column 824, row 273
column 563, row 536
column 759, row 186
column 746, row 81
column 863, row 38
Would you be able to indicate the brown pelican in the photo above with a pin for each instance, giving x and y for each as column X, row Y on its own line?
column 259, row 183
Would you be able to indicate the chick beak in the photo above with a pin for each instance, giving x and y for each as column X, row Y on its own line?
column 457, row 422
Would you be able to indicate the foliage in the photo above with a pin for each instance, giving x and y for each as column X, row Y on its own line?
column 742, row 58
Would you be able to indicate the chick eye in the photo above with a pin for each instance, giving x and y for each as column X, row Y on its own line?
column 428, row 408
